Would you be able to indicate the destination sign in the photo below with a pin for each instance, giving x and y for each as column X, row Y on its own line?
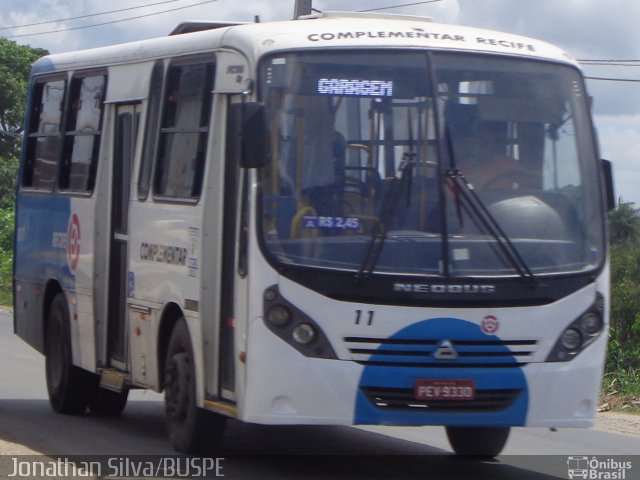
column 360, row 88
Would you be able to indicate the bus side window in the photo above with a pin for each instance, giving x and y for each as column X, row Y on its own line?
column 43, row 144
column 184, row 132
column 151, row 129
column 82, row 133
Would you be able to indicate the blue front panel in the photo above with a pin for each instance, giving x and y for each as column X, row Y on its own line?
column 392, row 371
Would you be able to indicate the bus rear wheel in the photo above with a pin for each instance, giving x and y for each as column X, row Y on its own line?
column 191, row 429
column 482, row 442
column 68, row 386
column 105, row 402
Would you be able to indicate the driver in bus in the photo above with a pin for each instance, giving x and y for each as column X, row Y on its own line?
column 487, row 163
column 322, row 157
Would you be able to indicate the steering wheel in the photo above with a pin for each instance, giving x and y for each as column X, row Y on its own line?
column 354, row 185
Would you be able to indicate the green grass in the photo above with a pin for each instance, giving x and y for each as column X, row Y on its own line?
column 620, row 388
column 6, row 299
column 622, row 382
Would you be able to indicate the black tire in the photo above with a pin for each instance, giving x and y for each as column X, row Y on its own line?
column 482, row 442
column 68, row 386
column 191, row 429
column 106, row 402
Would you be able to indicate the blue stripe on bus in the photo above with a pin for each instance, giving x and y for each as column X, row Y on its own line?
column 381, row 376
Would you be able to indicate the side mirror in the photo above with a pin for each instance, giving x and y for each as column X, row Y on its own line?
column 249, row 134
column 607, row 176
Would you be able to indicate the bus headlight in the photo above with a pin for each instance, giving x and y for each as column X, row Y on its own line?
column 303, row 333
column 294, row 326
column 580, row 333
column 591, row 322
column 571, row 339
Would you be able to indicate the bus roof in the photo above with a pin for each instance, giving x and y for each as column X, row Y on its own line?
column 322, row 31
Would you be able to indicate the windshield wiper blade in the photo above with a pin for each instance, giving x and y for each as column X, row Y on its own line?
column 470, row 201
column 387, row 211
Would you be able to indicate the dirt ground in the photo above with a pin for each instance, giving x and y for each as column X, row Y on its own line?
column 624, row 423
column 8, row 448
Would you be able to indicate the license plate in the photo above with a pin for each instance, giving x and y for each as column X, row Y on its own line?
column 449, row 389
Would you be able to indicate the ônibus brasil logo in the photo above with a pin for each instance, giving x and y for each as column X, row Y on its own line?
column 597, row 468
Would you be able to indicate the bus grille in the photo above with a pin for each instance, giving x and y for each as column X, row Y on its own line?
column 404, row 399
column 396, row 352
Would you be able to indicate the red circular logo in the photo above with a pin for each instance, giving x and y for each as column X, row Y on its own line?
column 73, row 242
column 490, row 324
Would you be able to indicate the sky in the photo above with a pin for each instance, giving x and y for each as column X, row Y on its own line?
column 586, row 29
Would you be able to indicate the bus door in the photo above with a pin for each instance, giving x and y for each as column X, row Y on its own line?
column 126, row 129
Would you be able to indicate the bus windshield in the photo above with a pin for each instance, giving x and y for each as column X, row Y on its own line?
column 413, row 163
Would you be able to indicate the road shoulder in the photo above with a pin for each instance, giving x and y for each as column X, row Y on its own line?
column 618, row 422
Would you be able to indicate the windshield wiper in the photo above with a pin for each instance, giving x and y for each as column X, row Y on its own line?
column 387, row 212
column 468, row 199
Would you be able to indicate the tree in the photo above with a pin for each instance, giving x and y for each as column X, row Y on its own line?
column 8, row 170
column 624, row 342
column 624, row 224
column 15, row 65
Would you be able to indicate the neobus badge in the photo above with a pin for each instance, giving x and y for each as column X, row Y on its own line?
column 445, row 351
column 439, row 288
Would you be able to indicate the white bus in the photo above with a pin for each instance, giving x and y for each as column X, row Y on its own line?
column 342, row 219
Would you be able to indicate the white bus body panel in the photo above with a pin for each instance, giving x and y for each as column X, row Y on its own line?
column 285, row 387
column 80, row 297
column 357, row 32
column 257, row 39
column 129, row 83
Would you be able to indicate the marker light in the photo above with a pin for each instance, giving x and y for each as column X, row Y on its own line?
column 278, row 316
column 303, row 333
column 270, row 295
column 571, row 339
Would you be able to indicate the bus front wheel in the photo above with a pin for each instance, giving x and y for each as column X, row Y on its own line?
column 66, row 383
column 191, row 429
column 486, row 442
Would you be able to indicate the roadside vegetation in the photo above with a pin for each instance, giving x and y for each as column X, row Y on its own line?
column 8, row 168
column 621, row 383
column 15, row 65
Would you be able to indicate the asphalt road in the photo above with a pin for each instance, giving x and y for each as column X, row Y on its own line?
column 267, row 452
